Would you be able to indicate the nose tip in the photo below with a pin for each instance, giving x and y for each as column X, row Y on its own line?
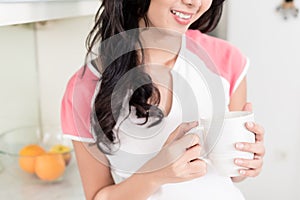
column 192, row 3
column 188, row 2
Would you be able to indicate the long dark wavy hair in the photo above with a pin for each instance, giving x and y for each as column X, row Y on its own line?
column 114, row 17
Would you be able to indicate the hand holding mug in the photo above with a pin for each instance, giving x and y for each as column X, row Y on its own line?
column 178, row 160
column 219, row 144
column 254, row 166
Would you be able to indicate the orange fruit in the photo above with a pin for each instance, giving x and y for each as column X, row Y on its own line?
column 49, row 166
column 28, row 155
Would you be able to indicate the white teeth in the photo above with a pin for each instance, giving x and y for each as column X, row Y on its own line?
column 181, row 15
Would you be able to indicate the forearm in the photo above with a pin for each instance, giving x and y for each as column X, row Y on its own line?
column 137, row 187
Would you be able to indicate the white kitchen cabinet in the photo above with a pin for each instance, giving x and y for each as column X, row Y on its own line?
column 18, row 77
column 27, row 11
column 39, row 57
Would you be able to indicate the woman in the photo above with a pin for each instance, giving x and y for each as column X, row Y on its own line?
column 118, row 114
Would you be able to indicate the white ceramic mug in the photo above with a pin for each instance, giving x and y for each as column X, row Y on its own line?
column 219, row 147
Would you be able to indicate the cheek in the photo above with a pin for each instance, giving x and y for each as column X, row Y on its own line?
column 159, row 11
column 156, row 21
column 204, row 7
column 157, row 16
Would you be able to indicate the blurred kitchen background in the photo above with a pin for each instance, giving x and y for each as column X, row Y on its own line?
column 42, row 44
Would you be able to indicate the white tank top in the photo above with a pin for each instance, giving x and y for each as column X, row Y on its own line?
column 139, row 144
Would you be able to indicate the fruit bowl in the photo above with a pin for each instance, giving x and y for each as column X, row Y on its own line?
column 35, row 154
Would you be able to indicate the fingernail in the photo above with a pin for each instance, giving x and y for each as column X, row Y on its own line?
column 238, row 161
column 239, row 146
column 243, row 172
column 250, row 124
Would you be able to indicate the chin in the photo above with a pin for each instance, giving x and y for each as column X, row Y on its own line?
column 180, row 29
column 177, row 29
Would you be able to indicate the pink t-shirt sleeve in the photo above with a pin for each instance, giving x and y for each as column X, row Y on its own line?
column 231, row 64
column 76, row 106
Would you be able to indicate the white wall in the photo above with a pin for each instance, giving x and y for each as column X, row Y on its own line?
column 273, row 45
column 61, row 51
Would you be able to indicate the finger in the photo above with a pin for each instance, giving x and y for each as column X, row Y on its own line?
column 192, row 153
column 178, row 148
column 197, row 167
column 194, row 176
column 186, row 127
column 257, row 148
column 247, row 163
column 257, row 129
column 248, row 107
column 250, row 172
column 187, row 141
column 180, row 131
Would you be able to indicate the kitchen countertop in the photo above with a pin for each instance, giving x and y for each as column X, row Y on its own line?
column 18, row 185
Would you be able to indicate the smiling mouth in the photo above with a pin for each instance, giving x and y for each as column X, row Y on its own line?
column 181, row 15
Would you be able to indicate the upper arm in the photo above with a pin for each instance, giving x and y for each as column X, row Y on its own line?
column 239, row 97
column 93, row 167
column 76, row 111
